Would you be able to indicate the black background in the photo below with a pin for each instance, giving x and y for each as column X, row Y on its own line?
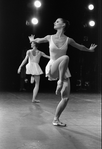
column 14, row 41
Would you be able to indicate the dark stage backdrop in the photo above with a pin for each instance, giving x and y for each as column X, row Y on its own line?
column 84, row 66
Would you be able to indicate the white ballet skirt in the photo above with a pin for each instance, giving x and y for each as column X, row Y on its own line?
column 48, row 69
column 33, row 67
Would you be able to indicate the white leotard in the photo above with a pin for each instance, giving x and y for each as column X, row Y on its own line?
column 34, row 58
column 55, row 53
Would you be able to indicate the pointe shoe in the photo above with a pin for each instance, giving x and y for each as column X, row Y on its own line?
column 59, row 86
column 58, row 123
column 35, row 101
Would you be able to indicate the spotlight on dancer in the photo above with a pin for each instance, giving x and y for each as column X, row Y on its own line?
column 34, row 21
column 37, row 4
column 91, row 23
column 90, row 6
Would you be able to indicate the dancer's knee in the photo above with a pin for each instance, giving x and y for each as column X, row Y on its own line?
column 66, row 58
column 64, row 61
column 65, row 99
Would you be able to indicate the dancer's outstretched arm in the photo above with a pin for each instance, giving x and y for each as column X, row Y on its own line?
column 82, row 47
column 39, row 40
column 44, row 55
column 23, row 62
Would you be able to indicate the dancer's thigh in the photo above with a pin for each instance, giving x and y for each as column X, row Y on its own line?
column 55, row 66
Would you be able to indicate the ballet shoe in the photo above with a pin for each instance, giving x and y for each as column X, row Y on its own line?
column 35, row 101
column 59, row 86
column 58, row 123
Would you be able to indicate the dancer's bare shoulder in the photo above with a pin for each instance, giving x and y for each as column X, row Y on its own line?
column 48, row 37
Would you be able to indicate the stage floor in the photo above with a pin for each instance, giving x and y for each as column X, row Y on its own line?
column 26, row 125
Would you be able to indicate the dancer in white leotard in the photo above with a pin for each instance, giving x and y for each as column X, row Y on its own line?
column 57, row 67
column 32, row 68
column 55, row 53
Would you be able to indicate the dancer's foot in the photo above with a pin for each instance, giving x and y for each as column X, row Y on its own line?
column 35, row 101
column 59, row 86
column 32, row 80
column 58, row 123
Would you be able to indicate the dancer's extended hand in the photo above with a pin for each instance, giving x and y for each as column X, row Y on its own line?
column 92, row 47
column 31, row 38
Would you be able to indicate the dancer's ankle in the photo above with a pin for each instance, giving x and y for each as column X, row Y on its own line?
column 56, row 119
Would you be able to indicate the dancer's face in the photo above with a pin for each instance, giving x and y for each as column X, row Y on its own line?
column 58, row 24
column 33, row 45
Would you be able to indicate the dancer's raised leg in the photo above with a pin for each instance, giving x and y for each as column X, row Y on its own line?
column 58, row 69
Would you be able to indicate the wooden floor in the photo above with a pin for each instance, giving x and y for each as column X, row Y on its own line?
column 25, row 125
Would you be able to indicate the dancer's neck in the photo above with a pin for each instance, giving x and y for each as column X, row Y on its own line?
column 59, row 34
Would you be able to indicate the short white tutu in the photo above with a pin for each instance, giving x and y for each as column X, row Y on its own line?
column 33, row 69
column 48, row 69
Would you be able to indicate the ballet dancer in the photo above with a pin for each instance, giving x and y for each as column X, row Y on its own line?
column 57, row 67
column 32, row 68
